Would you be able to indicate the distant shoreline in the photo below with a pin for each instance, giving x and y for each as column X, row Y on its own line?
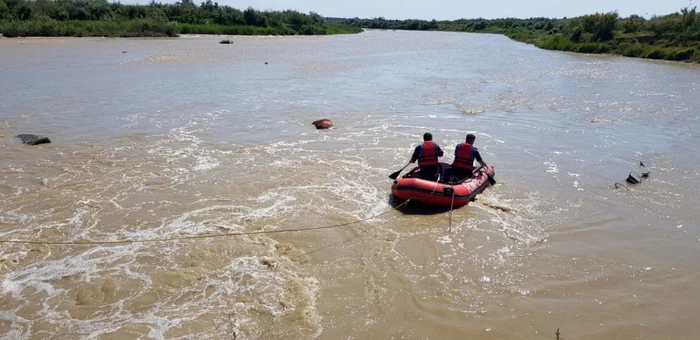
column 189, row 35
column 145, row 28
column 98, row 18
column 674, row 37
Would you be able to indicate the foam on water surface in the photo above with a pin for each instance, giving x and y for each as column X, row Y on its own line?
column 109, row 290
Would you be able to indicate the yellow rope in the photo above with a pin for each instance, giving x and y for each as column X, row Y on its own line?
column 195, row 237
column 451, row 207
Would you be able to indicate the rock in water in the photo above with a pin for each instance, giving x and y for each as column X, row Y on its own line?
column 323, row 123
column 33, row 139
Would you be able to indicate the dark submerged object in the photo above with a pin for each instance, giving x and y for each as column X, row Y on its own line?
column 30, row 139
column 323, row 123
column 637, row 180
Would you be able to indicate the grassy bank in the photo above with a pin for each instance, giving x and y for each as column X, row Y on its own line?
column 671, row 37
column 628, row 47
column 53, row 28
column 674, row 36
column 253, row 30
column 82, row 18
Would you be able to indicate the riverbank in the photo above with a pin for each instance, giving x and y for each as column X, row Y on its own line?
column 642, row 44
column 53, row 28
column 674, row 36
column 98, row 18
column 625, row 46
column 149, row 28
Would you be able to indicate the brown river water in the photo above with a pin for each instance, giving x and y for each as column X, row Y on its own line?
column 184, row 137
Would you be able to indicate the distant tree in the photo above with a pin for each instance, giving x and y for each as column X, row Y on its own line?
column 688, row 17
column 250, row 16
column 4, row 10
column 599, row 26
column 632, row 24
column 209, row 6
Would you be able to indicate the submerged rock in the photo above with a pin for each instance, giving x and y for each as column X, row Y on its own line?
column 30, row 139
column 323, row 123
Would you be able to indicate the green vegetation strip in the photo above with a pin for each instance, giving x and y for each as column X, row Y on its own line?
column 83, row 18
column 672, row 37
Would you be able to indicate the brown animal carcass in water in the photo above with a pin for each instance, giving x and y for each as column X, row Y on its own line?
column 323, row 123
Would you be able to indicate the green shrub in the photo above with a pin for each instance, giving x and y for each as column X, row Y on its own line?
column 656, row 53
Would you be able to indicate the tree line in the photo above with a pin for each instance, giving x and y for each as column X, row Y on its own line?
column 674, row 36
column 185, row 16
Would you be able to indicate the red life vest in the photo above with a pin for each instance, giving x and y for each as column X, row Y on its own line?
column 464, row 158
column 429, row 156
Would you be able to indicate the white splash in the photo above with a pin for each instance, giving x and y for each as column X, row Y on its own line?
column 552, row 167
column 445, row 239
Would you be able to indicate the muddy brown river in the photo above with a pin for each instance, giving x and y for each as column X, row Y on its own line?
column 160, row 140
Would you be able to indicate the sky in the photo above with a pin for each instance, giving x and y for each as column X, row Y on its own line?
column 456, row 9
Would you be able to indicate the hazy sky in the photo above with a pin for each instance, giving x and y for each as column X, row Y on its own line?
column 455, row 9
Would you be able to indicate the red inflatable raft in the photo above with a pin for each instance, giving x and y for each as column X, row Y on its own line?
column 439, row 193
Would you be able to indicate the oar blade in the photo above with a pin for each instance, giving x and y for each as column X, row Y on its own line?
column 395, row 175
column 492, row 181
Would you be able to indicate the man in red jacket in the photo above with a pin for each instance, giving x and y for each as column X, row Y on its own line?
column 427, row 156
column 465, row 154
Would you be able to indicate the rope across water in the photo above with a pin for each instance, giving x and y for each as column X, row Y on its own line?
column 197, row 237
